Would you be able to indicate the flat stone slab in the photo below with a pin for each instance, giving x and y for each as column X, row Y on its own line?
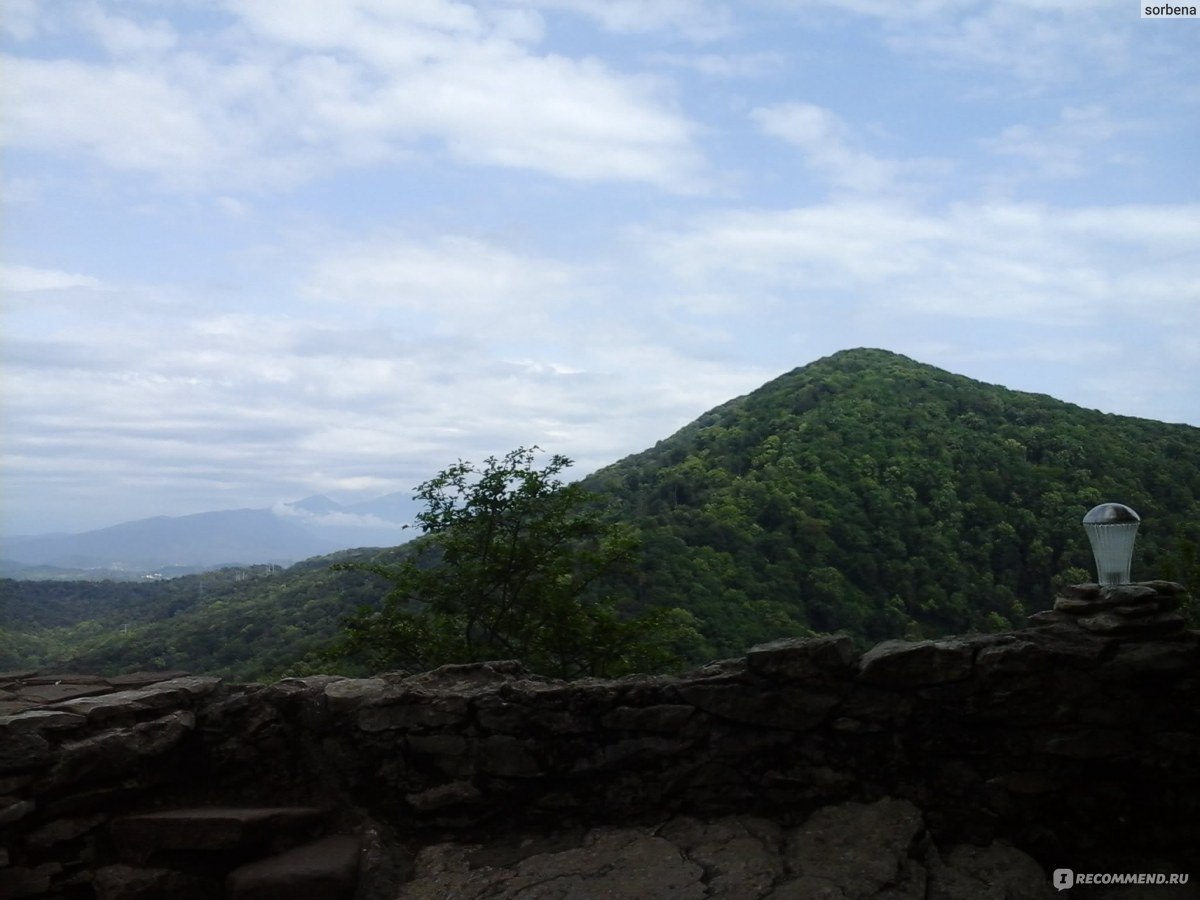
column 13, row 707
column 38, row 719
column 142, row 679
column 67, row 690
column 170, row 694
column 326, row 869
column 849, row 851
column 208, row 828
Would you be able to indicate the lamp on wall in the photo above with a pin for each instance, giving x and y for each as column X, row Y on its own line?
column 1112, row 529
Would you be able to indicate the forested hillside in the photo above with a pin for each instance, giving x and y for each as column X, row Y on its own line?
column 245, row 622
column 871, row 493
column 864, row 492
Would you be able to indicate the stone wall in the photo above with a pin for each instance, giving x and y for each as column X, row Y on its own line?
column 1080, row 748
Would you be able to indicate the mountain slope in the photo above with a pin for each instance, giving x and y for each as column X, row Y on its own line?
column 245, row 622
column 288, row 532
column 872, row 493
column 864, row 492
column 231, row 536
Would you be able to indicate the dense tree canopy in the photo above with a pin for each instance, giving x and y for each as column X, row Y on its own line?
column 514, row 565
column 870, row 493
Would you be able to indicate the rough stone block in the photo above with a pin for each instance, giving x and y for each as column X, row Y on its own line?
column 905, row 664
column 796, row 708
column 858, row 847
column 661, row 719
column 793, row 659
column 38, row 720
column 208, row 828
column 23, row 751
column 996, row 872
column 120, row 751
column 122, row 882
column 413, row 710
column 55, row 693
column 326, row 869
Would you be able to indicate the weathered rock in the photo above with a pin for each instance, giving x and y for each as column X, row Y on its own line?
column 326, row 869
column 1031, row 739
column 665, row 718
column 461, row 678
column 791, row 709
column 860, row 849
column 796, row 659
column 502, row 754
column 118, row 751
column 741, row 857
column 996, row 872
column 444, row 796
column 1121, row 611
column 23, row 750
column 613, row 864
column 142, row 679
column 122, row 882
column 64, row 829
column 21, row 881
column 38, row 719
column 208, row 828
column 56, row 692
column 351, row 692
column 905, row 664
column 412, row 709
column 1112, row 623
column 13, row 810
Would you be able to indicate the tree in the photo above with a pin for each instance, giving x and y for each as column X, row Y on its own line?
column 514, row 564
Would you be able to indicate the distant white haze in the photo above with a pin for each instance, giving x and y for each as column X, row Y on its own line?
column 255, row 251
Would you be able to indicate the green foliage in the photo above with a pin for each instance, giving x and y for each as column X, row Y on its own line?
column 514, row 564
column 875, row 495
column 864, row 492
column 244, row 623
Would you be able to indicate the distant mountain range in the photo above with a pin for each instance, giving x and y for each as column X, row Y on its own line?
column 173, row 545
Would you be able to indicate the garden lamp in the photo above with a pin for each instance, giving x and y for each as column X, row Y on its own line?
column 1112, row 528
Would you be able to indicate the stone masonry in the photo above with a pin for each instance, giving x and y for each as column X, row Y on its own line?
column 968, row 766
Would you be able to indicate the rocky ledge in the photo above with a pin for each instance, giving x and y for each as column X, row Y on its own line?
column 967, row 766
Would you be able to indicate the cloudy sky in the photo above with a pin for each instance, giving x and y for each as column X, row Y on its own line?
column 254, row 250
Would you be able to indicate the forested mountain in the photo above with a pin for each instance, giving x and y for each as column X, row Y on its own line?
column 244, row 622
column 871, row 493
column 864, row 492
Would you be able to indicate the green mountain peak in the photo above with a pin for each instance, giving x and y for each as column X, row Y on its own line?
column 873, row 493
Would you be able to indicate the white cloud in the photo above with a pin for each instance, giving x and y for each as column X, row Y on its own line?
column 1041, row 42
column 20, row 19
column 1015, row 262
column 459, row 284
column 1068, row 148
column 698, row 20
column 311, row 85
column 123, row 37
column 725, row 65
column 123, row 117
column 23, row 279
column 826, row 143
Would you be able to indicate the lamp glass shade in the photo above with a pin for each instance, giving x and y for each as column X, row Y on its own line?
column 1112, row 529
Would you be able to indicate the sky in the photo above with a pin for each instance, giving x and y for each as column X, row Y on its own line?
column 255, row 250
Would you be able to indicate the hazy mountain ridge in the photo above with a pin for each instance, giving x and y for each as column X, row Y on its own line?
column 281, row 534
